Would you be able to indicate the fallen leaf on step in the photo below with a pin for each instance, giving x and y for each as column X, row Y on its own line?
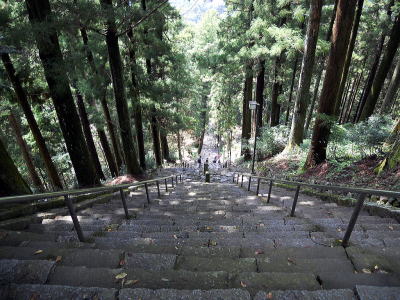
column 58, row 258
column 38, row 252
column 131, row 282
column 243, row 284
column 290, row 260
column 121, row 276
column 164, row 279
column 213, row 243
column 376, row 267
column 366, row 271
column 339, row 229
column 3, row 235
column 175, row 237
column 122, row 262
column 209, row 228
column 268, row 296
column 391, row 228
column 34, row 296
column 259, row 251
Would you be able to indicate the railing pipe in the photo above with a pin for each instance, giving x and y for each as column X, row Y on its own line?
column 158, row 189
column 296, row 196
column 353, row 219
column 74, row 218
column 121, row 191
column 248, row 186
column 258, row 185
column 270, row 190
column 166, row 185
column 242, row 181
column 147, row 193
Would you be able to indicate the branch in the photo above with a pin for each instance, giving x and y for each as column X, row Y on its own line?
column 143, row 19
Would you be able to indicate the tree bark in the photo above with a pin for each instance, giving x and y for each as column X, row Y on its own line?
column 246, row 115
column 112, row 132
column 156, row 139
column 307, row 66
column 88, row 135
column 11, row 181
column 114, row 57
column 296, row 62
column 392, row 90
column 349, row 54
column 314, row 99
column 392, row 158
column 135, row 100
column 37, row 135
column 164, row 146
column 50, row 54
column 393, row 44
column 340, row 38
column 107, row 152
column 276, row 91
column 26, row 153
column 260, row 96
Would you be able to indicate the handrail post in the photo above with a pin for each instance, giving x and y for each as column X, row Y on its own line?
column 172, row 181
column 296, row 195
column 258, row 185
column 166, row 185
column 233, row 178
column 74, row 218
column 121, row 191
column 158, row 189
column 180, row 177
column 147, row 193
column 241, row 185
column 270, row 190
column 176, row 179
column 353, row 219
column 248, row 187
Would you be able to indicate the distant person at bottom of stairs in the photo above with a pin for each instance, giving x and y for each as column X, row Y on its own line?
column 199, row 161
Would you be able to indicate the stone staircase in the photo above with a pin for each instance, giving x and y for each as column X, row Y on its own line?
column 203, row 241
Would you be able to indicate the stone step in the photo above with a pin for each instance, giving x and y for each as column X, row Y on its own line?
column 342, row 294
column 116, row 243
column 293, row 253
column 92, row 258
column 108, row 278
column 24, row 271
column 373, row 292
column 203, row 264
column 168, row 294
column 50, row 292
column 346, row 280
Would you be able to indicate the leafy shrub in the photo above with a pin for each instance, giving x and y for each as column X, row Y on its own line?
column 272, row 141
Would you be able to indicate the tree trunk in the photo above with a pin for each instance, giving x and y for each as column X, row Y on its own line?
column 392, row 158
column 156, row 139
column 296, row 62
column 347, row 102
column 88, row 135
column 393, row 44
column 246, row 115
column 11, row 181
column 303, row 92
column 178, row 136
column 392, row 90
column 135, row 100
column 114, row 57
column 37, row 135
column 164, row 146
column 276, row 91
column 56, row 77
column 260, row 96
column 203, row 117
column 107, row 152
column 26, row 153
column 340, row 38
column 349, row 54
column 112, row 132
column 314, row 99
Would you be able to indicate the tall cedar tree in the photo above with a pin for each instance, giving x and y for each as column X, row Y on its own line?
column 340, row 38
column 303, row 92
column 377, row 85
column 392, row 89
column 11, row 181
column 114, row 57
column 57, row 80
column 37, row 135
column 37, row 182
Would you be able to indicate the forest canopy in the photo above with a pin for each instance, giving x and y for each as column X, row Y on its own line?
column 94, row 89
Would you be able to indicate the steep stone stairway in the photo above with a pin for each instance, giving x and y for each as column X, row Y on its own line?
column 203, row 241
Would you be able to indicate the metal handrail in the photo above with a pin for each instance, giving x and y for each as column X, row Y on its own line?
column 69, row 203
column 363, row 192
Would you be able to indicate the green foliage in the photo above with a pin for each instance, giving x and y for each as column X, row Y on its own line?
column 272, row 141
